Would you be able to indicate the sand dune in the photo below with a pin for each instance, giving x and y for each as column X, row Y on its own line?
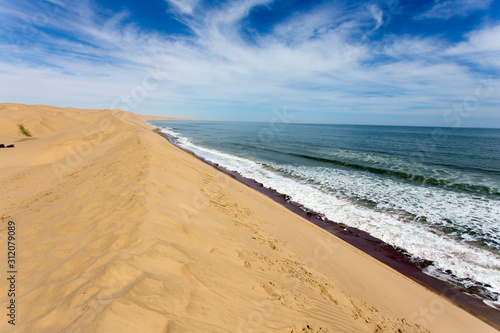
column 39, row 119
column 119, row 231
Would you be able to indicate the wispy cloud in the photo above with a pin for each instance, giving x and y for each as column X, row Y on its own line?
column 481, row 47
column 311, row 61
column 184, row 6
column 445, row 9
column 377, row 15
column 483, row 40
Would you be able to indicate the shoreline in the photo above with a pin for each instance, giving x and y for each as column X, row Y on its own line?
column 372, row 246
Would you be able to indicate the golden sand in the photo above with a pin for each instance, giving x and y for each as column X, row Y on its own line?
column 117, row 230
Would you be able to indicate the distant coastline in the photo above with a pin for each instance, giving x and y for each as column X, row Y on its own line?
column 145, row 118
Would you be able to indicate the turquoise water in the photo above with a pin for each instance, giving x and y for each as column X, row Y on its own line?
column 434, row 192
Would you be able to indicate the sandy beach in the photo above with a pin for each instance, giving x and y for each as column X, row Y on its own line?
column 117, row 230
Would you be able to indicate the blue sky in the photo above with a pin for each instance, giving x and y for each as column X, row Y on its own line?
column 431, row 63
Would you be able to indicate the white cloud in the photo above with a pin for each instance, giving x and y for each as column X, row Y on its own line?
column 184, row 6
column 377, row 15
column 445, row 9
column 487, row 39
column 403, row 48
column 482, row 47
column 301, row 27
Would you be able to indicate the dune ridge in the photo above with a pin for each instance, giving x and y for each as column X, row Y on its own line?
column 120, row 231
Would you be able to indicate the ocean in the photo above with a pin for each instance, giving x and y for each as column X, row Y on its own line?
column 433, row 192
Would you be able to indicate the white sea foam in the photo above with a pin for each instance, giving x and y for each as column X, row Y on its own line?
column 395, row 215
